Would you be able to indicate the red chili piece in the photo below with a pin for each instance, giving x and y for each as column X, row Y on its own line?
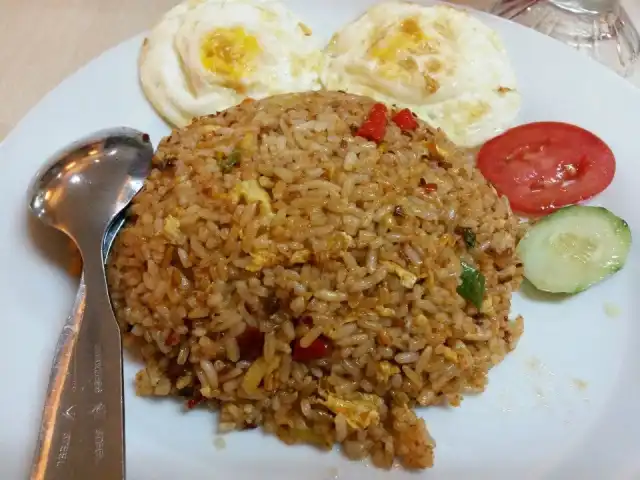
column 250, row 343
column 430, row 187
column 304, row 320
column 172, row 339
column 193, row 403
column 319, row 348
column 405, row 119
column 375, row 126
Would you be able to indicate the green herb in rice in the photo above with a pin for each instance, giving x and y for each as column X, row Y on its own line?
column 229, row 162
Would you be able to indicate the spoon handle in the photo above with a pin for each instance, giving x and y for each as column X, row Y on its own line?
column 82, row 432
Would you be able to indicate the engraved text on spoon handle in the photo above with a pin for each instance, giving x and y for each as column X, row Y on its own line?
column 59, row 415
column 83, row 430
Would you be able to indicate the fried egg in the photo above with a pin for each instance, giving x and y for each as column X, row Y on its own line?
column 207, row 55
column 445, row 65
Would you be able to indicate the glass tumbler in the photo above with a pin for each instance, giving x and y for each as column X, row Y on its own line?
column 599, row 28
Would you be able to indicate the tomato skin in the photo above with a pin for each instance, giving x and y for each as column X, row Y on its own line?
column 543, row 166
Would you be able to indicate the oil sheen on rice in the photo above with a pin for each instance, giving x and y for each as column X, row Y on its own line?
column 301, row 279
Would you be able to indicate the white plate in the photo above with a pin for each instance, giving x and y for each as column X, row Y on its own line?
column 565, row 404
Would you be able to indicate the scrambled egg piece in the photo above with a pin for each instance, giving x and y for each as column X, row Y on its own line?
column 384, row 371
column 172, row 229
column 300, row 256
column 385, row 311
column 407, row 278
column 487, row 307
column 339, row 241
column 430, row 278
column 360, row 411
column 447, row 240
column 420, row 321
column 251, row 191
column 330, row 331
column 253, row 378
column 261, row 259
column 257, row 372
column 248, row 143
column 437, row 150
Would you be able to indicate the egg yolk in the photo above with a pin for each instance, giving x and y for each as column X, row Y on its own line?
column 409, row 38
column 230, row 53
column 395, row 52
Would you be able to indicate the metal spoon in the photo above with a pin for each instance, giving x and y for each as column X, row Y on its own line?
column 81, row 192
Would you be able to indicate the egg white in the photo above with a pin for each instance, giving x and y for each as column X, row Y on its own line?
column 454, row 72
column 180, row 87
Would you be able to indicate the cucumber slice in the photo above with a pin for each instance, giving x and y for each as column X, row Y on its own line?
column 574, row 248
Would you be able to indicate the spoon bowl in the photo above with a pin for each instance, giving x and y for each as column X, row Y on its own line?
column 82, row 191
column 95, row 177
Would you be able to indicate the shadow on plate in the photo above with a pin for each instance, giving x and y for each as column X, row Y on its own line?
column 528, row 291
column 54, row 246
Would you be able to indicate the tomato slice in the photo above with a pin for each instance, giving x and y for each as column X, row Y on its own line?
column 543, row 166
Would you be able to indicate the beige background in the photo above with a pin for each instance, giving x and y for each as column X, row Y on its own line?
column 43, row 41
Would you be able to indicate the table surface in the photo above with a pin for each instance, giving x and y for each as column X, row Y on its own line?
column 44, row 41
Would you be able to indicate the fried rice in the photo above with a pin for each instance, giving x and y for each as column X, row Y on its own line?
column 296, row 277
